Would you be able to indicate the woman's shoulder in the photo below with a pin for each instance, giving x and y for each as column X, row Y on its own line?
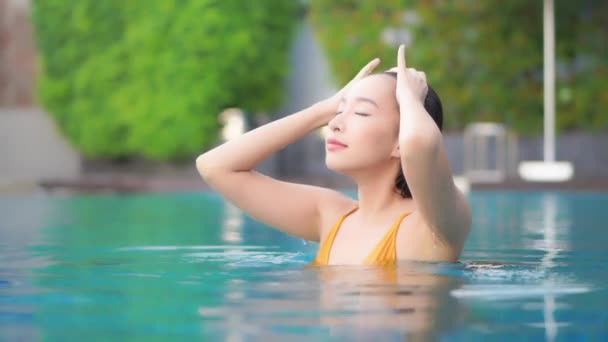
column 418, row 240
column 333, row 206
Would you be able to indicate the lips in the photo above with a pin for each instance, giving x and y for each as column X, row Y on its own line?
column 335, row 144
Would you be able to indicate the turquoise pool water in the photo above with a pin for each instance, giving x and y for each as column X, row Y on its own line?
column 177, row 266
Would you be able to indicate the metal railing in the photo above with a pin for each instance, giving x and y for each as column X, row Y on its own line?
column 478, row 159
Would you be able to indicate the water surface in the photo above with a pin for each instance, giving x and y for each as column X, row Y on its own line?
column 192, row 266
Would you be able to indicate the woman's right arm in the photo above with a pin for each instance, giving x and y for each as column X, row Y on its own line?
column 292, row 208
column 229, row 169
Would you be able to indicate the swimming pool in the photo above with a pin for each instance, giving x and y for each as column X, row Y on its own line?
column 173, row 266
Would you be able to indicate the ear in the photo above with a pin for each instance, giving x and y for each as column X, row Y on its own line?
column 396, row 152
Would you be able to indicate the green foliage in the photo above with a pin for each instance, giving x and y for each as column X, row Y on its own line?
column 484, row 58
column 149, row 77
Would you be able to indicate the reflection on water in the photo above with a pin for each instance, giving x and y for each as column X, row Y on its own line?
column 348, row 301
column 380, row 300
column 552, row 223
column 232, row 223
column 189, row 266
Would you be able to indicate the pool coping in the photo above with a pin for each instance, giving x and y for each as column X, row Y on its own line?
column 132, row 183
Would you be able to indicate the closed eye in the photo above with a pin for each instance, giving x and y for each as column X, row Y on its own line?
column 358, row 113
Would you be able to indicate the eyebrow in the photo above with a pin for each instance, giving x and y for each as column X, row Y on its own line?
column 363, row 99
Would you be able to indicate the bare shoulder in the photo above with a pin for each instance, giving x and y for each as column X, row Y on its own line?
column 333, row 205
column 419, row 239
column 458, row 223
column 463, row 216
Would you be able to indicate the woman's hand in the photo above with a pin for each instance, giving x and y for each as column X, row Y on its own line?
column 411, row 83
column 330, row 105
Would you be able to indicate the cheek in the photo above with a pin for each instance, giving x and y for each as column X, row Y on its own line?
column 377, row 142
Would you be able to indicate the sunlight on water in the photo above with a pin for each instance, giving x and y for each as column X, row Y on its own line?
column 192, row 266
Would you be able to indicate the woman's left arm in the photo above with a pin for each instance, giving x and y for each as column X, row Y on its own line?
column 424, row 160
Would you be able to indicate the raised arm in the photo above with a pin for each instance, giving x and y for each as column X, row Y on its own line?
column 424, row 160
column 293, row 208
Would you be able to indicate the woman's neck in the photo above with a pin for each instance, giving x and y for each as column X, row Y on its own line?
column 378, row 196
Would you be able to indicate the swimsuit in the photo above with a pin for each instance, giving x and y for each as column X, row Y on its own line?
column 385, row 253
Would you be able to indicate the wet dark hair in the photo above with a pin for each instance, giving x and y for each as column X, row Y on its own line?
column 432, row 104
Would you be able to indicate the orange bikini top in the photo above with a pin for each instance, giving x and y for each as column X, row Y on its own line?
column 385, row 253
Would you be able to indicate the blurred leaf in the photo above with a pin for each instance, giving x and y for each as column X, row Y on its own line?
column 148, row 78
column 484, row 58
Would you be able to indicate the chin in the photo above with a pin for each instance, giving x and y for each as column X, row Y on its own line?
column 332, row 164
column 337, row 165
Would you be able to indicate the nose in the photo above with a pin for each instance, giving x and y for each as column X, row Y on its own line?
column 337, row 123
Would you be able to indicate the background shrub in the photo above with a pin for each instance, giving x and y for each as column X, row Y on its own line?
column 149, row 77
column 484, row 58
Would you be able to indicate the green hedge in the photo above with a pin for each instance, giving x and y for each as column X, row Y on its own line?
column 483, row 57
column 149, row 77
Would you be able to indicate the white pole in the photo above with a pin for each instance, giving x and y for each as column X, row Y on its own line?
column 549, row 80
column 548, row 170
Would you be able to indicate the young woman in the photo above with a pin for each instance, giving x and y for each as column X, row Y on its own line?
column 385, row 135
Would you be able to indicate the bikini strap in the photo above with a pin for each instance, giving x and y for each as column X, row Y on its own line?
column 385, row 252
column 325, row 249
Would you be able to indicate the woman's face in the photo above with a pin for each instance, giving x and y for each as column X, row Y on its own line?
column 367, row 122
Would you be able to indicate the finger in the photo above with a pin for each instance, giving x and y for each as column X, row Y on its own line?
column 401, row 65
column 393, row 69
column 368, row 68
